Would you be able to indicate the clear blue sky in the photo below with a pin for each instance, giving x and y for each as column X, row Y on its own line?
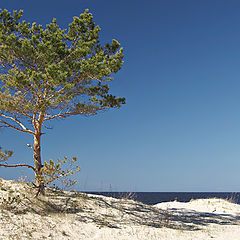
column 180, row 128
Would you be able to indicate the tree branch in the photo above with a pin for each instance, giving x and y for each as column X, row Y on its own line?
column 18, row 165
column 23, row 127
column 61, row 115
column 67, row 114
column 27, row 115
column 16, row 128
column 34, row 120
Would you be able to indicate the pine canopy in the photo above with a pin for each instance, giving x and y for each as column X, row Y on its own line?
column 55, row 72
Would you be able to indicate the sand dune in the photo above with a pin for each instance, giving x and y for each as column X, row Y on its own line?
column 74, row 215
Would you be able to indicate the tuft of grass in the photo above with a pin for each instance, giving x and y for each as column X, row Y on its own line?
column 64, row 233
column 233, row 198
column 10, row 202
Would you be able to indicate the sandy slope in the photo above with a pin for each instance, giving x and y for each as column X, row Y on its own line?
column 72, row 215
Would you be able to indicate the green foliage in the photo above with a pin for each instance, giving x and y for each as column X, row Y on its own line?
column 4, row 156
column 44, row 69
column 61, row 169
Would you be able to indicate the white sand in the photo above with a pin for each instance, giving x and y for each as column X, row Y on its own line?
column 214, row 205
column 69, row 215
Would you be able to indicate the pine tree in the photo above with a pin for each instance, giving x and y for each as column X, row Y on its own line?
column 49, row 72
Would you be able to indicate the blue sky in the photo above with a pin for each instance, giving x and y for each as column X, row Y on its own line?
column 180, row 128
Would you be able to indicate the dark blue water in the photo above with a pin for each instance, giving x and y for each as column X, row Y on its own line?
column 157, row 197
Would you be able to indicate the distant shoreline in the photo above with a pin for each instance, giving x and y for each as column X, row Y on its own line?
column 158, row 197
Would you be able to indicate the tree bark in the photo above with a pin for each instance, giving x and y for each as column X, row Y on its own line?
column 38, row 164
column 37, row 154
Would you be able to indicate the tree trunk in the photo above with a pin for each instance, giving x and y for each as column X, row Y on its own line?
column 37, row 154
column 37, row 157
column 38, row 163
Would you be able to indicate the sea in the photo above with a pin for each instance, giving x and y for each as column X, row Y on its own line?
column 158, row 197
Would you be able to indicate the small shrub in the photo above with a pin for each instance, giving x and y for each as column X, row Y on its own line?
column 10, row 202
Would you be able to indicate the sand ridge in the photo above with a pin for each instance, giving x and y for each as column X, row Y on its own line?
column 74, row 215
